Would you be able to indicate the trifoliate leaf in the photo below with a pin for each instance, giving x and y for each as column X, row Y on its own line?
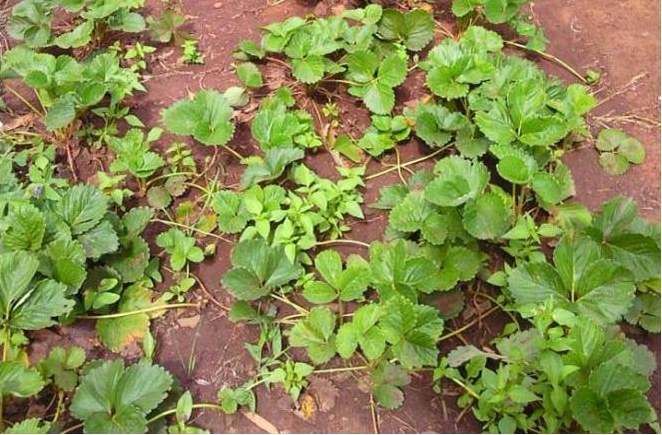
column 207, row 117
column 458, row 181
column 315, row 333
column 395, row 272
column 487, row 217
column 258, row 269
column 61, row 365
column 579, row 281
column 111, row 398
column 182, row 248
column 414, row 29
column 346, row 284
column 309, row 69
column 271, row 167
column 412, row 330
column 232, row 214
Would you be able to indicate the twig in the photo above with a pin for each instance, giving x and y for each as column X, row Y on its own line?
column 343, row 241
column 551, row 58
column 144, row 310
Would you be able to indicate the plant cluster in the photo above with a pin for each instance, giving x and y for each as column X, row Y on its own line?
column 492, row 211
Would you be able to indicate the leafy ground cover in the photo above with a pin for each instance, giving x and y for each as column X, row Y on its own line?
column 488, row 215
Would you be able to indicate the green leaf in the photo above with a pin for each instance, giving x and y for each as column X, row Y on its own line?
column 182, row 248
column 487, row 217
column 614, row 163
column 61, row 113
column 24, row 229
column 315, row 333
column 591, row 411
column 395, row 272
column 232, row 213
column 271, row 167
column 415, row 29
column 249, row 75
column 412, row 330
column 47, row 301
column 615, row 140
column 207, row 117
column 309, row 69
column 61, row 365
column 580, row 281
column 347, row 284
column 100, row 240
column 82, row 207
column 458, row 181
column 29, row 426
column 630, row 408
column 258, row 269
column 18, row 380
column 111, row 398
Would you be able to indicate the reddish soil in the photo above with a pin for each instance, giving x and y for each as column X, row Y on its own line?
column 620, row 39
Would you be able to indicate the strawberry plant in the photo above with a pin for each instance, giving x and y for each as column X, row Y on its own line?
column 484, row 216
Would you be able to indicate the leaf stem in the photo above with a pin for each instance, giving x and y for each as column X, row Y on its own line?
column 284, row 300
column 144, row 310
column 168, row 175
column 341, row 369
column 233, row 152
column 343, row 241
column 403, row 165
column 195, row 406
column 188, row 227
column 24, row 101
column 468, row 325
column 466, row 388
column 551, row 58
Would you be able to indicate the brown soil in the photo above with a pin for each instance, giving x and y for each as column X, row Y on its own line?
column 620, row 39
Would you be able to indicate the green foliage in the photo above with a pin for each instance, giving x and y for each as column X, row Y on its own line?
column 134, row 155
column 32, row 21
column 61, row 366
column 180, row 247
column 207, row 117
column 414, row 29
column 112, row 398
column 581, row 281
column 565, row 369
column 166, row 28
column 344, row 284
column 190, row 53
column 258, row 269
column 503, row 11
column 19, row 381
column 26, row 304
column 315, row 333
column 373, row 80
column 618, row 150
column 383, row 134
column 293, row 377
column 68, row 88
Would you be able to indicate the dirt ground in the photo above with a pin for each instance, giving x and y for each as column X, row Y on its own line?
column 618, row 38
